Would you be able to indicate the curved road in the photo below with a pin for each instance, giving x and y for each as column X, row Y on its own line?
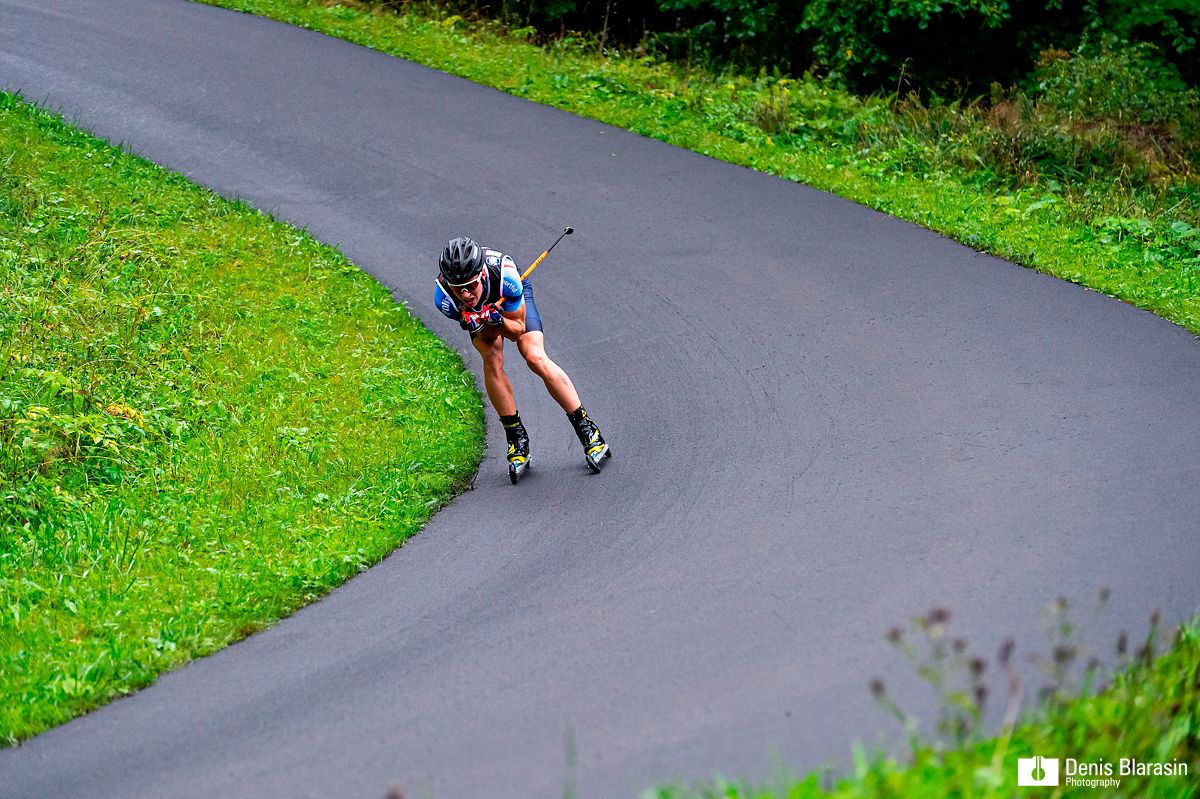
column 825, row 422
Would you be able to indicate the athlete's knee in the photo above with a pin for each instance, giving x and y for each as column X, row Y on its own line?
column 539, row 363
column 542, row 367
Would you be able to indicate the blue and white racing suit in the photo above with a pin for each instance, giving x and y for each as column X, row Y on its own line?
column 502, row 286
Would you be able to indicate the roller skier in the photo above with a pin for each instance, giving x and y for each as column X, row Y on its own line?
column 484, row 292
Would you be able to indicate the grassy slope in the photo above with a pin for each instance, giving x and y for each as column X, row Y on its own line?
column 207, row 419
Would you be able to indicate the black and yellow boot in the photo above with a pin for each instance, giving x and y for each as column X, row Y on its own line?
column 594, row 448
column 518, row 446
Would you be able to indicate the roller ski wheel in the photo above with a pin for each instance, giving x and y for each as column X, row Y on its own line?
column 517, row 468
column 595, row 457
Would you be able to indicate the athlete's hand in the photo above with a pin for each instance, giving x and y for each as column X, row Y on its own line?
column 472, row 321
column 491, row 315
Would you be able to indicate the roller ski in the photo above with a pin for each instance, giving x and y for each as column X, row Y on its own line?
column 518, row 447
column 595, row 451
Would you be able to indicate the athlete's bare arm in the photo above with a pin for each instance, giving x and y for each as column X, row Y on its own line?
column 514, row 324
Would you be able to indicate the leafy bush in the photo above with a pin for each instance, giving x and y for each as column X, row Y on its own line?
column 749, row 34
column 1113, row 81
column 1065, row 127
column 870, row 43
column 1170, row 25
column 1107, row 108
column 959, row 48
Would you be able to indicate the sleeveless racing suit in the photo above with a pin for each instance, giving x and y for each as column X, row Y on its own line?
column 502, row 287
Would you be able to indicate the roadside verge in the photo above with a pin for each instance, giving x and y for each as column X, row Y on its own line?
column 207, row 420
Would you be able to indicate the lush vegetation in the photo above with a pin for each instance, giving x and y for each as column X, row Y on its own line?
column 1087, row 171
column 1148, row 711
column 206, row 420
column 955, row 48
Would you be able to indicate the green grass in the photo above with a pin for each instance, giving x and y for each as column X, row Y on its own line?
column 207, row 419
column 1079, row 200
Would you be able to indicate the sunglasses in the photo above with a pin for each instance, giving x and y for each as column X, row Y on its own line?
column 469, row 285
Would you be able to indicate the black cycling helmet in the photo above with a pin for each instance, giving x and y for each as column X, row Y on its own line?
column 461, row 261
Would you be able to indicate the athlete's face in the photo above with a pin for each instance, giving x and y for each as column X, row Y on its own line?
column 471, row 292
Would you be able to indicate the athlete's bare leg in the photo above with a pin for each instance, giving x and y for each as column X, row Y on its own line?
column 499, row 389
column 532, row 347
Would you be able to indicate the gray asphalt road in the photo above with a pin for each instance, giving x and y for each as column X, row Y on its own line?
column 825, row 422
